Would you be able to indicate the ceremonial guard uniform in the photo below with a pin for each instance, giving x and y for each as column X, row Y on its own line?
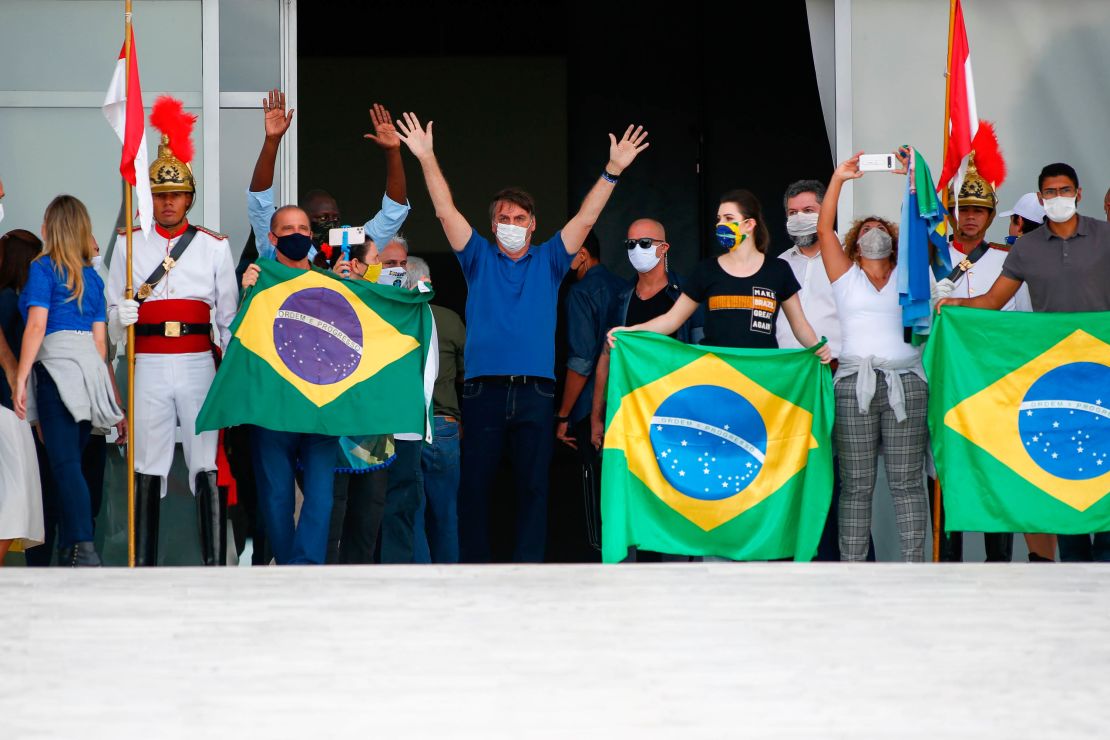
column 973, row 274
column 187, row 301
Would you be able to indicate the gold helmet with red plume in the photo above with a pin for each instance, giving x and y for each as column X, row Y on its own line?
column 986, row 169
column 170, row 172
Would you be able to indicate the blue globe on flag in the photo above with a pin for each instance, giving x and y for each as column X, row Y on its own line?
column 709, row 442
column 1065, row 421
column 314, row 349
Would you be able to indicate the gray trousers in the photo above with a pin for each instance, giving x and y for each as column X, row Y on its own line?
column 858, row 436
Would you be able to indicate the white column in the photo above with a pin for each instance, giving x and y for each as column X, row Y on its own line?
column 210, row 108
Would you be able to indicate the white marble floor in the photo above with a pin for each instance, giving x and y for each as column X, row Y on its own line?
column 684, row 651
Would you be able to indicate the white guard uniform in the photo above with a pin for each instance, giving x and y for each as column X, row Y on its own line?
column 170, row 386
column 981, row 276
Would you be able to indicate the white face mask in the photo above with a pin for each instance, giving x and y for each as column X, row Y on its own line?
column 643, row 260
column 394, row 276
column 876, row 244
column 512, row 237
column 801, row 224
column 1059, row 209
column 97, row 260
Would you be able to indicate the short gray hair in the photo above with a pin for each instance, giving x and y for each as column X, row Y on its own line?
column 804, row 186
column 414, row 270
column 400, row 241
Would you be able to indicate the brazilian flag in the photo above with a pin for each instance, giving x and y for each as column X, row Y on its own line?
column 1019, row 416
column 312, row 352
column 715, row 451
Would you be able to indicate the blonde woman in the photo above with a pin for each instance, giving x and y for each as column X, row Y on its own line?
column 63, row 381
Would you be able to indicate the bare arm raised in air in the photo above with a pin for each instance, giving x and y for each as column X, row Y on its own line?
column 621, row 154
column 419, row 141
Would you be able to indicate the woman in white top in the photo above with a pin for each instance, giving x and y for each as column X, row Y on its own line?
column 881, row 396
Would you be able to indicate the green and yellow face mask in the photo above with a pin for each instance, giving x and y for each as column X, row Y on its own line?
column 729, row 235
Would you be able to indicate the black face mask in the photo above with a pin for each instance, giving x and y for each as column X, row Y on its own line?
column 320, row 230
column 294, row 246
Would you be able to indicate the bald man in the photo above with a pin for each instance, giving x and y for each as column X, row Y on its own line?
column 655, row 291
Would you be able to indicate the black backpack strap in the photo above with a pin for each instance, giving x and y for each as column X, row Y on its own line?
column 167, row 264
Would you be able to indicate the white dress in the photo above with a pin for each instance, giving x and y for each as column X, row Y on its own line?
column 20, row 490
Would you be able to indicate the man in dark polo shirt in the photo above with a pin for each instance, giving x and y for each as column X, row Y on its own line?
column 1066, row 265
column 509, row 389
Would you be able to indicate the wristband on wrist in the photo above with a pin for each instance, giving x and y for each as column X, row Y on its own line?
column 561, row 419
column 609, row 177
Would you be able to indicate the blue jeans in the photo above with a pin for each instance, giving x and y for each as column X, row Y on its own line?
column 275, row 456
column 65, row 440
column 437, row 519
column 521, row 417
column 1084, row 548
column 403, row 497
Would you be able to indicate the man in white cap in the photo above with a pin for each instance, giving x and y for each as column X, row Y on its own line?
column 1026, row 215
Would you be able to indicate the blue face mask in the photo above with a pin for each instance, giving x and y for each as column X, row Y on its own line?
column 294, row 246
column 1010, row 239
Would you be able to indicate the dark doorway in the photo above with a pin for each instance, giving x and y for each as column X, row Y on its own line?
column 525, row 93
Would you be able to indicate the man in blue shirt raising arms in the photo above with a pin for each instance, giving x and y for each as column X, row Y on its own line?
column 509, row 389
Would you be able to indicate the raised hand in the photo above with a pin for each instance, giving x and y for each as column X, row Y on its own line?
column 621, row 153
column 342, row 268
column 277, row 120
column 385, row 134
column 416, row 138
column 848, row 169
column 903, row 155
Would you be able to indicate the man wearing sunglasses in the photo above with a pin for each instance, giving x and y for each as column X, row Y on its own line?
column 1066, row 265
column 654, row 293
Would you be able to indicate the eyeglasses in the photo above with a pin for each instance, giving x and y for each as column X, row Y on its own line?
column 644, row 243
column 1065, row 192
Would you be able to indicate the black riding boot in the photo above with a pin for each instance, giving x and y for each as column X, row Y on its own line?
column 81, row 555
column 212, row 515
column 999, row 546
column 148, row 502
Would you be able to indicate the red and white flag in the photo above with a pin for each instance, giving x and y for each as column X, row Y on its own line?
column 126, row 116
column 966, row 133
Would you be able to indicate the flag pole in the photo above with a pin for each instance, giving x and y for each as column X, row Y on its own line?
column 129, row 293
column 937, row 501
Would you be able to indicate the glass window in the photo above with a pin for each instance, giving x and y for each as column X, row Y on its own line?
column 72, row 45
column 49, row 151
column 240, row 140
column 250, row 43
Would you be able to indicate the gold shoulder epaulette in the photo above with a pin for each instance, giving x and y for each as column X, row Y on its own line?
column 999, row 247
column 122, row 231
column 211, row 233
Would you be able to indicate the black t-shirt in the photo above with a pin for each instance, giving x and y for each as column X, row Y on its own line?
column 742, row 311
column 640, row 311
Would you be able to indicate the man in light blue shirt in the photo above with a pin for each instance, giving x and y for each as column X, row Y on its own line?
column 321, row 208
